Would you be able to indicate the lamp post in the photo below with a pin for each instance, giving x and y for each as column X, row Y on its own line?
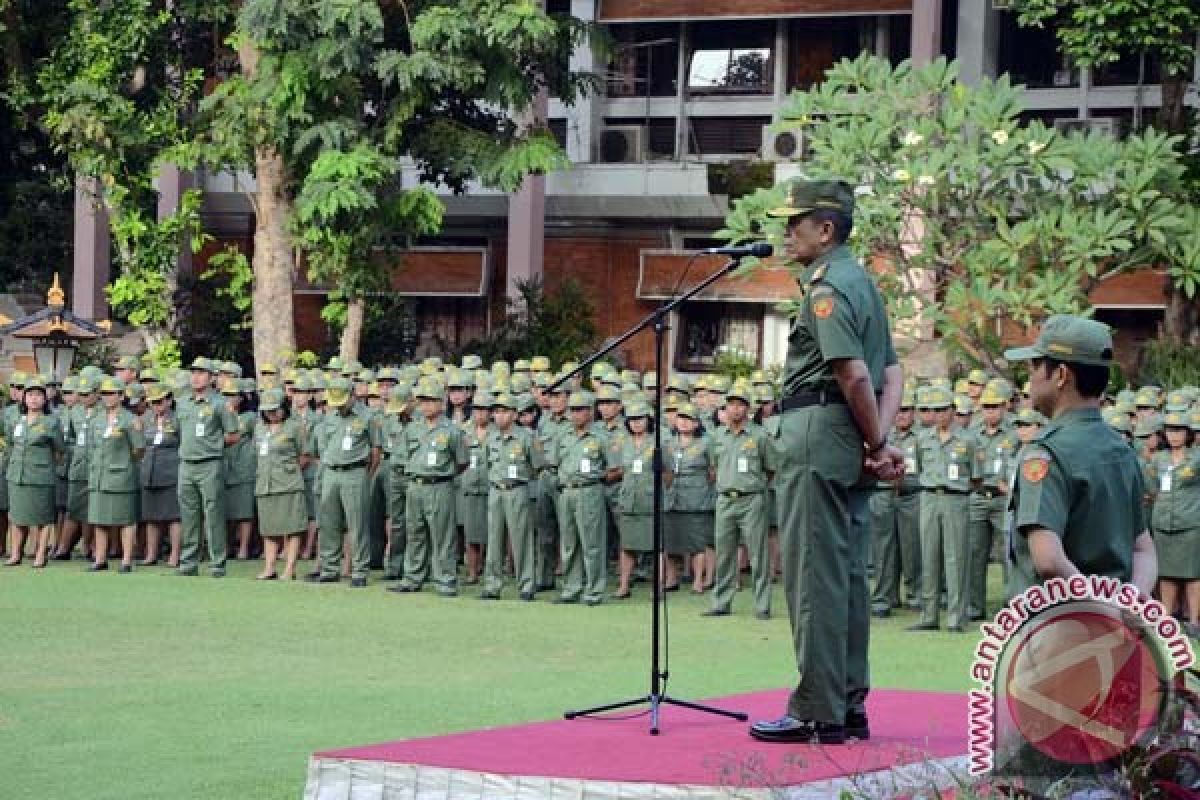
column 55, row 333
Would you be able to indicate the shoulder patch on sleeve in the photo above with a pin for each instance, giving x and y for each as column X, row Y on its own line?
column 1035, row 465
column 823, row 306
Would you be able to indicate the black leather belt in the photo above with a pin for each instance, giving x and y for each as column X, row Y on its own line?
column 347, row 467
column 423, row 481
column 947, row 491
column 579, row 485
column 735, row 493
column 824, row 397
column 507, row 485
column 989, row 492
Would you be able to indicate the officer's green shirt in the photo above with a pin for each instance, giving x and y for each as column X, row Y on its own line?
column 160, row 462
column 204, row 421
column 33, row 450
column 909, row 443
column 240, row 460
column 1176, row 490
column 690, row 468
column 636, row 493
column 437, row 450
column 347, row 439
column 743, row 459
column 951, row 464
column 474, row 479
column 1080, row 480
column 77, row 438
column 842, row 316
column 513, row 456
column 116, row 447
column 277, row 454
column 392, row 433
column 549, row 429
column 997, row 453
column 581, row 457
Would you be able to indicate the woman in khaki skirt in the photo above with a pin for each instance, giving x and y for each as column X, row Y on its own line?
column 279, row 486
column 472, row 484
column 635, row 497
column 160, row 476
column 114, row 485
column 691, row 499
column 35, row 446
column 239, row 469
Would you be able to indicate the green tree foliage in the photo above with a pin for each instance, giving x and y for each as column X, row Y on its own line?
column 558, row 324
column 974, row 217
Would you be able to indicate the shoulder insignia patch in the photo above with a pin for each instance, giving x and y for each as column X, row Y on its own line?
column 823, row 306
column 1035, row 468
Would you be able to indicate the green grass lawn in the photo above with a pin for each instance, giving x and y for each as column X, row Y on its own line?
column 152, row 686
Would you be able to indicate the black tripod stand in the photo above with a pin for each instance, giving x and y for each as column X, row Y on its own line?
column 656, row 697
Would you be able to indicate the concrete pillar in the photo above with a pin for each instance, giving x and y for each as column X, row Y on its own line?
column 682, row 131
column 91, row 266
column 781, row 60
column 926, row 31
column 883, row 36
column 584, row 119
column 978, row 40
column 172, row 182
column 527, row 221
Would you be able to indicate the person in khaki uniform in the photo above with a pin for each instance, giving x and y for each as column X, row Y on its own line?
column 949, row 468
column 113, row 478
column 632, row 461
column 395, row 456
column 348, row 446
column 472, row 484
column 552, row 424
column 207, row 427
column 742, row 456
column 279, row 485
column 998, row 445
column 239, row 470
column 514, row 457
column 75, row 426
column 35, row 446
column 437, row 453
column 582, row 466
column 160, row 476
column 1174, row 482
column 690, row 498
column 896, row 522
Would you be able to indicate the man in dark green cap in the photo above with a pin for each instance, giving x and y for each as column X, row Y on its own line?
column 513, row 459
column 582, row 467
column 1077, row 500
column 551, row 425
column 842, row 387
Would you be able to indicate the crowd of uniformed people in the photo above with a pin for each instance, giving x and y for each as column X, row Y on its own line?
column 446, row 475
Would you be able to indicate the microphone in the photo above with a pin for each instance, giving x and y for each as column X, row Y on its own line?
column 757, row 249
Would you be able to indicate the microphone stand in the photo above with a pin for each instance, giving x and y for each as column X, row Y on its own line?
column 656, row 696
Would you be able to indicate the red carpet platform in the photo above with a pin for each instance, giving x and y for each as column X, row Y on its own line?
column 918, row 741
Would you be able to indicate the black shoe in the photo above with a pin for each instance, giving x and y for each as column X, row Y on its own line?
column 312, row 575
column 621, row 595
column 881, row 613
column 672, row 588
column 762, row 614
column 857, row 726
column 922, row 626
column 391, row 576
column 565, row 601
column 218, row 572
column 358, row 583
column 61, row 557
column 101, row 567
column 546, row 587
column 447, row 591
column 593, row 601
column 187, row 572
column 125, row 569
column 955, row 629
column 717, row 612
column 404, row 588
column 489, row 596
column 789, row 730
column 271, row 577
column 527, row 597
column 316, row 577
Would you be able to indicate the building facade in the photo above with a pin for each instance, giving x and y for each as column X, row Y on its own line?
column 689, row 94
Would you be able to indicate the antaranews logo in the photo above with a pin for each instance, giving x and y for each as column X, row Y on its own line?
column 1071, row 674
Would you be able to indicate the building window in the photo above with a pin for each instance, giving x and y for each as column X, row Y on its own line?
column 645, row 60
column 1031, row 56
column 726, row 135
column 731, row 58
column 815, row 45
column 706, row 327
column 1125, row 71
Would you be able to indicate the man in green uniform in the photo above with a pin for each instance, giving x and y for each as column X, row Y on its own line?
column 437, row 453
column 207, row 427
column 896, row 522
column 76, row 425
column 841, row 388
column 582, row 466
column 949, row 469
column 551, row 425
column 1077, row 500
column 349, row 451
column 513, row 460
column 742, row 455
column 395, row 450
column 998, row 445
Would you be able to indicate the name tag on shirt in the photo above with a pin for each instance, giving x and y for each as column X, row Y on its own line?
column 585, row 466
column 512, row 472
column 474, row 461
column 637, row 466
column 158, row 437
column 743, row 465
column 264, row 447
column 910, row 466
column 431, row 459
column 81, row 439
column 998, row 466
column 1165, row 481
column 199, row 428
column 19, row 430
column 109, row 432
column 952, row 472
column 678, row 462
column 347, row 443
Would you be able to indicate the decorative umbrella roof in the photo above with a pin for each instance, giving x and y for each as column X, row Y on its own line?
column 54, row 321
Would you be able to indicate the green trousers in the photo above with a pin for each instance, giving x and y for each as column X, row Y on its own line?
column 341, row 512
column 431, row 545
column 545, row 524
column 986, row 518
column 509, row 522
column 742, row 519
column 397, row 488
column 943, row 550
column 824, row 531
column 202, row 509
column 581, row 523
column 375, row 516
column 896, row 535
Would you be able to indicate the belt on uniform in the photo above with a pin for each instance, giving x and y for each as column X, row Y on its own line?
column 989, row 492
column 948, row 491
column 736, row 493
column 200, row 460
column 505, row 486
column 824, row 397
column 347, row 467
column 580, row 485
column 424, row 481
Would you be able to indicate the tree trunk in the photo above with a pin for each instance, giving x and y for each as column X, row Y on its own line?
column 356, row 311
column 1181, row 315
column 274, row 270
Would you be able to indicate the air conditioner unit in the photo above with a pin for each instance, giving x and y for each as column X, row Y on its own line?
column 623, row 144
column 787, row 145
column 1106, row 125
